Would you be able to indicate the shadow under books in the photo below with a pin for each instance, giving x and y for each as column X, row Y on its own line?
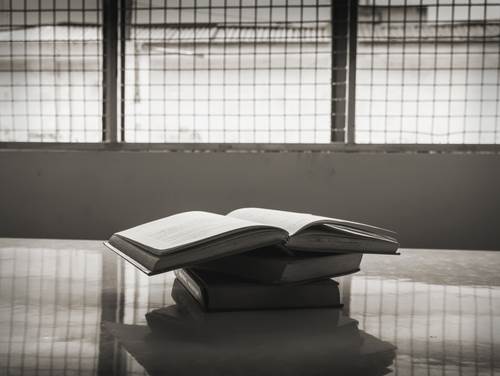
column 183, row 339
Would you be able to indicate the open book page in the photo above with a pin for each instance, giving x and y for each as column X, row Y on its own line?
column 183, row 229
column 294, row 222
column 361, row 233
column 289, row 221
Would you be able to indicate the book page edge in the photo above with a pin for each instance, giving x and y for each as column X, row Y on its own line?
column 142, row 268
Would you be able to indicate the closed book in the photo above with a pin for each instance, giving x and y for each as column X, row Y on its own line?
column 215, row 291
column 188, row 320
column 188, row 307
column 273, row 265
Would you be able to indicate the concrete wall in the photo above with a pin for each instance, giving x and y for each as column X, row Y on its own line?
column 432, row 200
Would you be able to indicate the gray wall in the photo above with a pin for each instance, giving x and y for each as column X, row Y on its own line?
column 432, row 200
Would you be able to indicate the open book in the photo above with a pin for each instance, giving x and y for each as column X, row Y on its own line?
column 195, row 237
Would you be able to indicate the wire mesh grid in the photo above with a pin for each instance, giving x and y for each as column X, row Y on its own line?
column 252, row 71
column 50, row 70
column 441, row 324
column 226, row 71
column 424, row 318
column 58, row 297
column 412, row 315
column 55, row 297
column 428, row 72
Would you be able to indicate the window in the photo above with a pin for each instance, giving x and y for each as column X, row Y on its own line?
column 250, row 71
column 50, row 71
column 227, row 72
column 428, row 72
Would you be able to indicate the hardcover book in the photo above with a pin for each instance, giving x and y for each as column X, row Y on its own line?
column 274, row 265
column 192, row 238
column 188, row 319
column 215, row 292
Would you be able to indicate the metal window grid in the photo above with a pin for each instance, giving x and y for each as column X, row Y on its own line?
column 408, row 313
column 428, row 72
column 346, row 74
column 50, row 71
column 226, row 71
column 34, row 277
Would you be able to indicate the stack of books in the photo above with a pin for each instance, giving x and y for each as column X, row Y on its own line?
column 254, row 294
column 253, row 258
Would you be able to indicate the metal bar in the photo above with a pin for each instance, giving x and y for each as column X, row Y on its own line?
column 351, row 92
column 112, row 297
column 110, row 71
column 123, row 46
column 339, row 60
column 252, row 147
column 346, row 294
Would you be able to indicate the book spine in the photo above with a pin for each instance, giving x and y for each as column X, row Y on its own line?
column 141, row 259
column 247, row 267
column 190, row 285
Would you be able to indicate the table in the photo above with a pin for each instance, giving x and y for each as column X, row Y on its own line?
column 58, row 298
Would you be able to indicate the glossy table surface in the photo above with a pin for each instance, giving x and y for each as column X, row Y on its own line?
column 75, row 308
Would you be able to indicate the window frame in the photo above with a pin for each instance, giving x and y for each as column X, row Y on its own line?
column 343, row 88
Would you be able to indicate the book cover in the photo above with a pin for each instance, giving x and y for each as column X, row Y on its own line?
column 215, row 291
column 272, row 265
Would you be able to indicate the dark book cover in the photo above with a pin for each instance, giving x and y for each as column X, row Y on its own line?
column 215, row 291
column 274, row 265
column 187, row 312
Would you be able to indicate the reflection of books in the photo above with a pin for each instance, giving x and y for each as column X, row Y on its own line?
column 191, row 238
column 288, row 342
column 215, row 292
column 274, row 265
